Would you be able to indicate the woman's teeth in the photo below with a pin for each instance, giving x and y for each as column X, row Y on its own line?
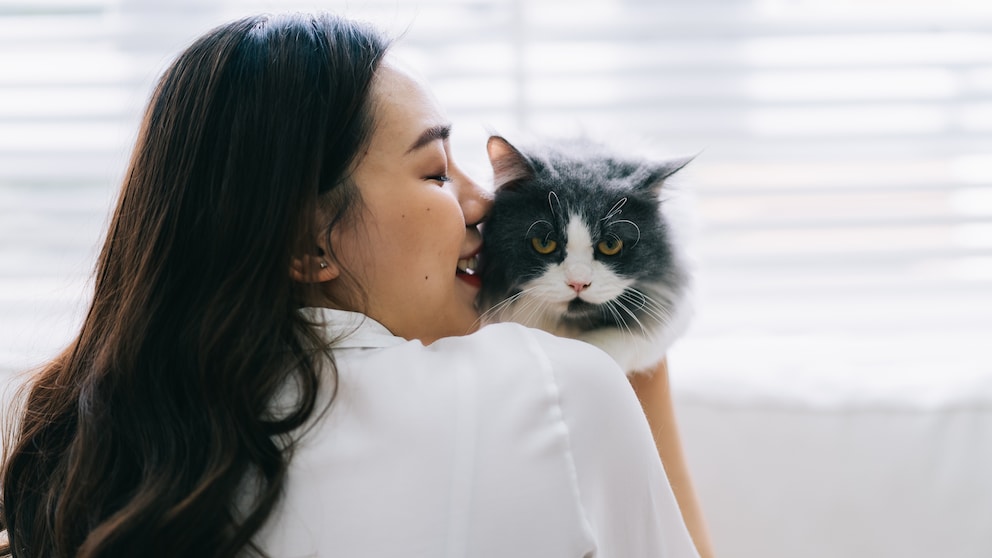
column 468, row 265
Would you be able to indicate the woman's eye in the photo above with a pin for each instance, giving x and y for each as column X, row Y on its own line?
column 610, row 247
column 543, row 245
column 442, row 178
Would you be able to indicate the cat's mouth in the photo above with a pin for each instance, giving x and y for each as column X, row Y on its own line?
column 466, row 270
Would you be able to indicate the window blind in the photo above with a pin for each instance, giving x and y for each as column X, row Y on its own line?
column 843, row 190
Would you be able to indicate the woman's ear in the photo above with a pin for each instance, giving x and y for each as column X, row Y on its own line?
column 314, row 269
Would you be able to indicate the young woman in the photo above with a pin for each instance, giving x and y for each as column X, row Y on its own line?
column 281, row 356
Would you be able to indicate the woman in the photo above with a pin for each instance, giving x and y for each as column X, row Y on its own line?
column 280, row 358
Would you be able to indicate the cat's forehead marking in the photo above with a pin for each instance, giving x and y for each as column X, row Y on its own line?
column 578, row 248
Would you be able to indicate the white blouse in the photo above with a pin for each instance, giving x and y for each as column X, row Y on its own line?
column 508, row 442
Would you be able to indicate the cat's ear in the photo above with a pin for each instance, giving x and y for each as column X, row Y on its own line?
column 658, row 173
column 510, row 166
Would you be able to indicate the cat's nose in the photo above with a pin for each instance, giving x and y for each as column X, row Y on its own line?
column 578, row 286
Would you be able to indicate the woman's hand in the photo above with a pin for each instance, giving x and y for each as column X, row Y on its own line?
column 652, row 389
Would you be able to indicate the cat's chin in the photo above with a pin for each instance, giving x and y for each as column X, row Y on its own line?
column 581, row 312
column 580, row 316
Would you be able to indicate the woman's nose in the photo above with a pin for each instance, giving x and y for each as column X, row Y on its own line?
column 474, row 199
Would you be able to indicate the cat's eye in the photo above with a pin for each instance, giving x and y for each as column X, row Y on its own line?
column 610, row 247
column 543, row 245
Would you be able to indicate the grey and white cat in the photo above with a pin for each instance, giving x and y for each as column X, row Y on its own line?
column 578, row 243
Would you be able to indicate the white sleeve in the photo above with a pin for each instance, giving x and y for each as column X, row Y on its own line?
column 622, row 486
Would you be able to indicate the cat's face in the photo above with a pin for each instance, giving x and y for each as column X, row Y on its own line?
column 570, row 238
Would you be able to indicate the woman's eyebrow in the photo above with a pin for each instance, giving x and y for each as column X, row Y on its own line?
column 439, row 132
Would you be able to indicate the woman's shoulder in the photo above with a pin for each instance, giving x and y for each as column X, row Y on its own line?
column 589, row 385
column 509, row 339
column 567, row 381
column 513, row 349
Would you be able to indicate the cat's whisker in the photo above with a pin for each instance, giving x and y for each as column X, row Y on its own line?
column 494, row 312
column 525, row 304
column 607, row 309
column 523, row 298
column 499, row 309
column 660, row 318
column 484, row 317
column 535, row 307
column 501, row 306
column 649, row 300
column 655, row 316
column 661, row 313
column 616, row 315
column 616, row 304
column 632, row 315
column 530, row 306
column 638, row 300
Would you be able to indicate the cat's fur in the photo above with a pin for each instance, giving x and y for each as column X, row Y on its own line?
column 575, row 195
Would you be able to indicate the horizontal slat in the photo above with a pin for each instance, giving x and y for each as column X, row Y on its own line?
column 772, row 261
column 68, row 102
column 792, row 224
column 63, row 166
column 845, row 172
column 850, row 315
column 856, row 281
column 22, row 32
column 79, row 137
column 81, row 66
column 851, row 209
column 50, row 7
column 722, row 19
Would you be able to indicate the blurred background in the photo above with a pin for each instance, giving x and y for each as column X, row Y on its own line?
column 835, row 390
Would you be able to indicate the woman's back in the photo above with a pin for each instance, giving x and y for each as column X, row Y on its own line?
column 507, row 442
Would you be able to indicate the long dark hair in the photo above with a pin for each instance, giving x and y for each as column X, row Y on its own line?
column 153, row 432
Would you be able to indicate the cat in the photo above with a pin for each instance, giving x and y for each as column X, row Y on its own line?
column 578, row 243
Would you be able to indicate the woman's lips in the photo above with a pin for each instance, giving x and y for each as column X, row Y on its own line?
column 466, row 270
column 470, row 278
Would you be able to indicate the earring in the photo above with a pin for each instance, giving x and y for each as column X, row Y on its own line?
column 323, row 264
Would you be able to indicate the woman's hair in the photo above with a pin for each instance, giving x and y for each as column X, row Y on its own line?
column 154, row 433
